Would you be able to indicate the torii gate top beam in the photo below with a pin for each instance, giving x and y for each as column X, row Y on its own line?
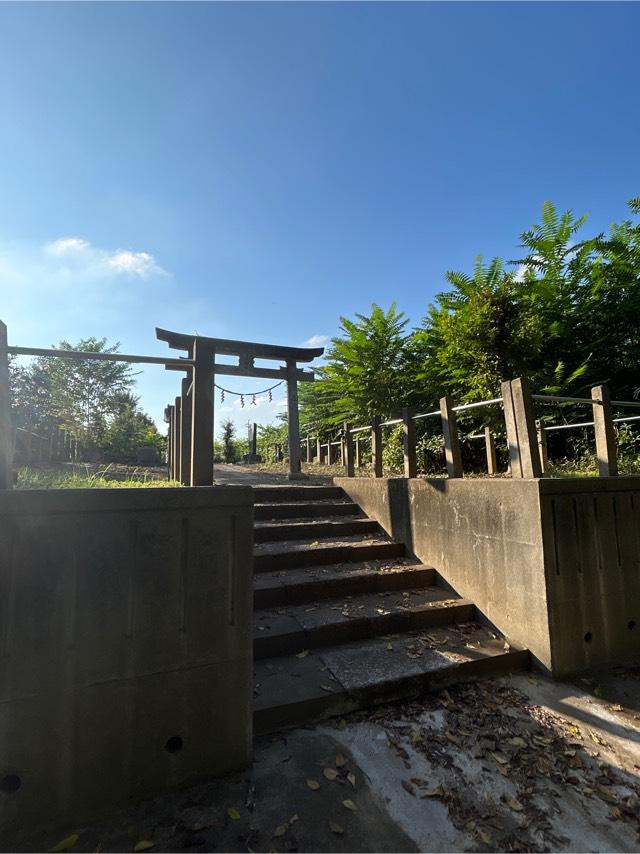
column 247, row 352
column 228, row 347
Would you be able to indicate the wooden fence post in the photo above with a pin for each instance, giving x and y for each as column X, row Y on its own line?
column 318, row 450
column 308, row 441
column 606, row 449
column 348, row 451
column 6, row 429
column 357, row 452
column 409, row 443
column 376, row 446
column 542, row 446
column 490, row 447
column 451, row 442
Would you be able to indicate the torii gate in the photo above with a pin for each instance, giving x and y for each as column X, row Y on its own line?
column 192, row 416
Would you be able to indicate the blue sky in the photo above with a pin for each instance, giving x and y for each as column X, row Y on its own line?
column 256, row 170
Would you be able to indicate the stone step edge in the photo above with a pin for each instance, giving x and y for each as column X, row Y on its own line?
column 305, row 510
column 344, row 702
column 332, row 587
column 328, row 554
column 398, row 621
column 317, row 529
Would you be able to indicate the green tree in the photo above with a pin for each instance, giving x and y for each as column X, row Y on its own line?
column 366, row 372
column 130, row 430
column 80, row 395
column 227, row 436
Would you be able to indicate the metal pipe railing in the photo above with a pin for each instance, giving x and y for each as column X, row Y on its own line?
column 464, row 406
column 552, row 398
column 589, row 423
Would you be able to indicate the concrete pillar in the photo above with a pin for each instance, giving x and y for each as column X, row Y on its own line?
column 202, row 416
column 169, row 411
column 524, row 454
column 253, row 446
column 178, row 444
column 490, row 448
column 348, row 452
column 606, row 449
column 409, row 443
column 452, row 453
column 376, row 446
column 185, row 431
column 6, row 430
column 295, row 464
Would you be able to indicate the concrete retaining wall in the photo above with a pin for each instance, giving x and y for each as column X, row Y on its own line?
column 125, row 646
column 591, row 531
column 553, row 564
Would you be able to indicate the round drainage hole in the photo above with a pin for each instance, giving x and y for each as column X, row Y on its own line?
column 631, row 625
column 588, row 637
column 174, row 744
column 10, row 784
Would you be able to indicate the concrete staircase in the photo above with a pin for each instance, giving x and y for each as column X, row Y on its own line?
column 344, row 619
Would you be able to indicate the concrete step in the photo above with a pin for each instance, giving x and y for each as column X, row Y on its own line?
column 269, row 557
column 286, row 493
column 269, row 532
column 325, row 582
column 306, row 509
column 335, row 680
column 296, row 628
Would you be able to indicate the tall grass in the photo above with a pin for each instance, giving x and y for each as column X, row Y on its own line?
column 30, row 478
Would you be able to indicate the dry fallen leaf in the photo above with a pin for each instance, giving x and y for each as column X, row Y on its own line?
column 233, row 813
column 294, row 819
column 340, row 760
column 327, row 688
column 144, row 845
column 484, row 836
column 336, row 828
column 349, row 804
column 607, row 794
column 330, row 773
column 434, row 792
column 313, row 784
column 515, row 805
column 280, row 830
column 351, row 777
column 67, row 843
column 303, row 654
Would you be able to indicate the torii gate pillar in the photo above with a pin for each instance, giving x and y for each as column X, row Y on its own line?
column 295, row 467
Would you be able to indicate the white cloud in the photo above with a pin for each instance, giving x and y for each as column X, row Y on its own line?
column 316, row 341
column 137, row 263
column 79, row 256
column 66, row 245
